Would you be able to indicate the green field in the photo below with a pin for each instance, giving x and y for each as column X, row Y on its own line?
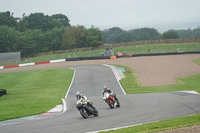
column 32, row 92
column 159, row 48
column 138, row 49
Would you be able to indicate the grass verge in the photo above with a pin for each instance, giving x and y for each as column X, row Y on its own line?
column 161, row 125
column 132, row 85
column 32, row 92
column 197, row 61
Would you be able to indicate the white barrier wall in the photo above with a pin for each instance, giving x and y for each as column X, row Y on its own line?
column 26, row 64
column 55, row 61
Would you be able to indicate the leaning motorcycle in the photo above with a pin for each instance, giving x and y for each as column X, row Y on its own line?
column 110, row 100
column 85, row 109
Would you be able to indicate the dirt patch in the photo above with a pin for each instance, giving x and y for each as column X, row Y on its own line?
column 151, row 70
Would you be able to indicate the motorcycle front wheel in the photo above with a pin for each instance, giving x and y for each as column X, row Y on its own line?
column 83, row 113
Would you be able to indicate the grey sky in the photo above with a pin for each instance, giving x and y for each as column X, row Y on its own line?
column 104, row 14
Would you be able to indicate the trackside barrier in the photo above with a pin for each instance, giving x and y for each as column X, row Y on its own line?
column 2, row 92
column 55, row 61
column 31, row 64
column 10, row 66
column 43, row 62
column 172, row 53
column 87, row 58
column 26, row 64
column 112, row 57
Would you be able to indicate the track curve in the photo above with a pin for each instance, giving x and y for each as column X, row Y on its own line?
column 135, row 108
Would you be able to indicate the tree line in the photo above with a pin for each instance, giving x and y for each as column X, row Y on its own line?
column 117, row 35
column 37, row 33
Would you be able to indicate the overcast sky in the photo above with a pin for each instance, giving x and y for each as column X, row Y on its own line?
column 105, row 14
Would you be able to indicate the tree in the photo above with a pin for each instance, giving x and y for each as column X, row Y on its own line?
column 52, row 39
column 79, row 36
column 9, row 39
column 6, row 18
column 109, row 35
column 196, row 32
column 22, row 24
column 170, row 34
column 117, row 35
column 62, row 18
column 94, row 37
column 40, row 21
column 73, row 37
column 144, row 34
column 31, row 42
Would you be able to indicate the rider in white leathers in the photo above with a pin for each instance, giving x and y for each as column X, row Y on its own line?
column 80, row 96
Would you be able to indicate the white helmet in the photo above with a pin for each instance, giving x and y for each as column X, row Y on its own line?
column 78, row 94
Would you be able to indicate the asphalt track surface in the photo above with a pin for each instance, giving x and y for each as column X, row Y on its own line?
column 135, row 108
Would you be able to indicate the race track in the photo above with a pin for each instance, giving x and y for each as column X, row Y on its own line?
column 135, row 108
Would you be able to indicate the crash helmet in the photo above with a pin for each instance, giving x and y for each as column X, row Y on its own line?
column 78, row 94
column 105, row 88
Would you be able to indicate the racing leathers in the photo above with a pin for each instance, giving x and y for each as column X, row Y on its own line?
column 110, row 92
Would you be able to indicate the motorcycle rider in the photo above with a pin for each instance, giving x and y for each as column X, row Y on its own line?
column 82, row 96
column 109, row 91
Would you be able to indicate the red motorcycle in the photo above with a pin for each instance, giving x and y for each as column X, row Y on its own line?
column 110, row 100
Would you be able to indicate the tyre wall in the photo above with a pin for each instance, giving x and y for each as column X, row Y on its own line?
column 2, row 92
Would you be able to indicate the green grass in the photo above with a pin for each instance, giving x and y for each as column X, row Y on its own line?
column 197, row 61
column 32, row 92
column 133, row 86
column 161, row 125
column 159, row 48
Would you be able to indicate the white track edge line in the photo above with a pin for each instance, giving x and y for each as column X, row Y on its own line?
column 71, row 83
column 119, row 127
column 111, row 67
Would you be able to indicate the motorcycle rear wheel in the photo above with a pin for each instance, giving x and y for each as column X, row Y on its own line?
column 96, row 113
column 118, row 104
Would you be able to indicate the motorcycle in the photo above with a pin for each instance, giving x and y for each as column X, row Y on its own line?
column 110, row 100
column 85, row 109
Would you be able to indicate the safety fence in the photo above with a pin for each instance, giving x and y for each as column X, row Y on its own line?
column 10, row 56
